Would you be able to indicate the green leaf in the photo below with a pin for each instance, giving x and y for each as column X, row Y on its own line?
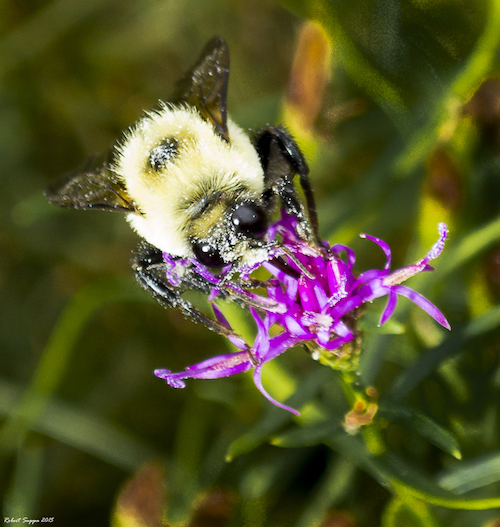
column 299, row 7
column 84, row 431
column 478, row 66
column 26, row 485
column 420, row 423
column 56, row 355
column 275, row 418
column 472, row 474
column 308, row 435
column 269, row 473
column 406, row 480
column 331, row 490
column 431, row 360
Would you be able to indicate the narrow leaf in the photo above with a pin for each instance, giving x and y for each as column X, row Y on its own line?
column 275, row 418
column 472, row 474
column 422, row 425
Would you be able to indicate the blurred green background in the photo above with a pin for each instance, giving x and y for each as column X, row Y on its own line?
column 407, row 134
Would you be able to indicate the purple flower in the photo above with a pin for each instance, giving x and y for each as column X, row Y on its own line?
column 313, row 299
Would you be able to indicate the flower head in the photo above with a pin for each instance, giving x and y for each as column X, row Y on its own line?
column 312, row 298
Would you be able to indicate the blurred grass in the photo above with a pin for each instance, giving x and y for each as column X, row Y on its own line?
column 402, row 139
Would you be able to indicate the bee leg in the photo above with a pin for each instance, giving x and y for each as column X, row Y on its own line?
column 150, row 270
column 275, row 146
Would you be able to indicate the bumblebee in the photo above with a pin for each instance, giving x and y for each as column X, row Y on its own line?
column 195, row 188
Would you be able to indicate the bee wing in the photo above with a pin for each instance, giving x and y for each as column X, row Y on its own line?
column 205, row 85
column 91, row 186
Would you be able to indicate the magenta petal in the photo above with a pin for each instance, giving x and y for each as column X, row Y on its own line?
column 323, row 337
column 213, row 368
column 369, row 276
column 383, row 246
column 261, row 344
column 306, row 300
column 234, row 339
column 341, row 329
column 295, row 329
column 266, row 302
column 173, row 379
column 292, row 288
column 204, row 272
column 220, row 316
column 221, row 366
column 278, row 273
column 175, row 268
column 351, row 257
column 422, row 303
column 307, row 294
column 346, row 305
column 279, row 344
column 336, row 279
column 338, row 342
column 321, row 297
column 213, row 294
column 438, row 247
column 344, row 335
column 258, row 382
column 373, row 289
column 389, row 308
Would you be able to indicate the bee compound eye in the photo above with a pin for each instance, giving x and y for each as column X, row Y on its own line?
column 208, row 255
column 250, row 219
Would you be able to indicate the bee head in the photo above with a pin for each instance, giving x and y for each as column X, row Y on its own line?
column 240, row 238
column 196, row 193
